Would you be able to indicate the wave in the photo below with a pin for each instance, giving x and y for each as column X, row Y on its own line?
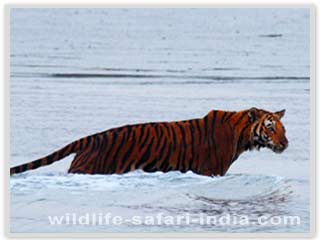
column 233, row 187
column 88, row 75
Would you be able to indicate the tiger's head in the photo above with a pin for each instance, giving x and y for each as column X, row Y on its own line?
column 267, row 130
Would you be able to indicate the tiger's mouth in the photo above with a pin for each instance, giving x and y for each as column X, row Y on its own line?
column 257, row 145
column 277, row 148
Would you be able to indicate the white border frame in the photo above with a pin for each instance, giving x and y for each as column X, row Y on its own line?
column 312, row 9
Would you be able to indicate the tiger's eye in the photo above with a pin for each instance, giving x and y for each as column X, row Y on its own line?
column 271, row 127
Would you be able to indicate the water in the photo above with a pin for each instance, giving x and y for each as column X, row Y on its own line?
column 75, row 72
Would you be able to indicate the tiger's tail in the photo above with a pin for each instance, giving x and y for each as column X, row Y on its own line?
column 51, row 158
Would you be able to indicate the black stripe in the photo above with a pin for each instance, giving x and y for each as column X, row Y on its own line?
column 223, row 116
column 36, row 164
column 129, row 129
column 167, row 129
column 208, row 140
column 81, row 160
column 165, row 159
column 105, row 161
column 196, row 145
column 240, row 139
column 156, row 127
column 114, row 159
column 214, row 142
column 229, row 116
column 255, row 129
column 206, row 128
column 167, row 139
column 150, row 167
column 161, row 131
column 24, row 167
column 199, row 130
column 146, row 138
column 142, row 127
column 98, row 152
column 81, row 144
column 104, row 146
column 160, row 139
column 177, row 167
column 164, row 165
column 163, row 147
column 191, row 128
column 96, row 144
column 146, row 154
column 174, row 137
column 84, row 162
column 241, row 134
column 128, row 152
column 75, row 162
column 73, row 147
column 13, row 170
column 184, row 147
column 240, row 119
column 168, row 168
column 89, row 138
column 50, row 159
column 89, row 150
column 60, row 153
column 127, row 169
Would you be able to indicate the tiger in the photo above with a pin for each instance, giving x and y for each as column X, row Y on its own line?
column 206, row 146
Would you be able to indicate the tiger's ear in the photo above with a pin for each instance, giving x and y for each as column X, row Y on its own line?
column 280, row 114
column 253, row 114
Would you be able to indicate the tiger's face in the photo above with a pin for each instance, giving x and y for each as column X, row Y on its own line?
column 268, row 131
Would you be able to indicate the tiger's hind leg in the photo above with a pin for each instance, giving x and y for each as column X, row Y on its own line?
column 83, row 163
